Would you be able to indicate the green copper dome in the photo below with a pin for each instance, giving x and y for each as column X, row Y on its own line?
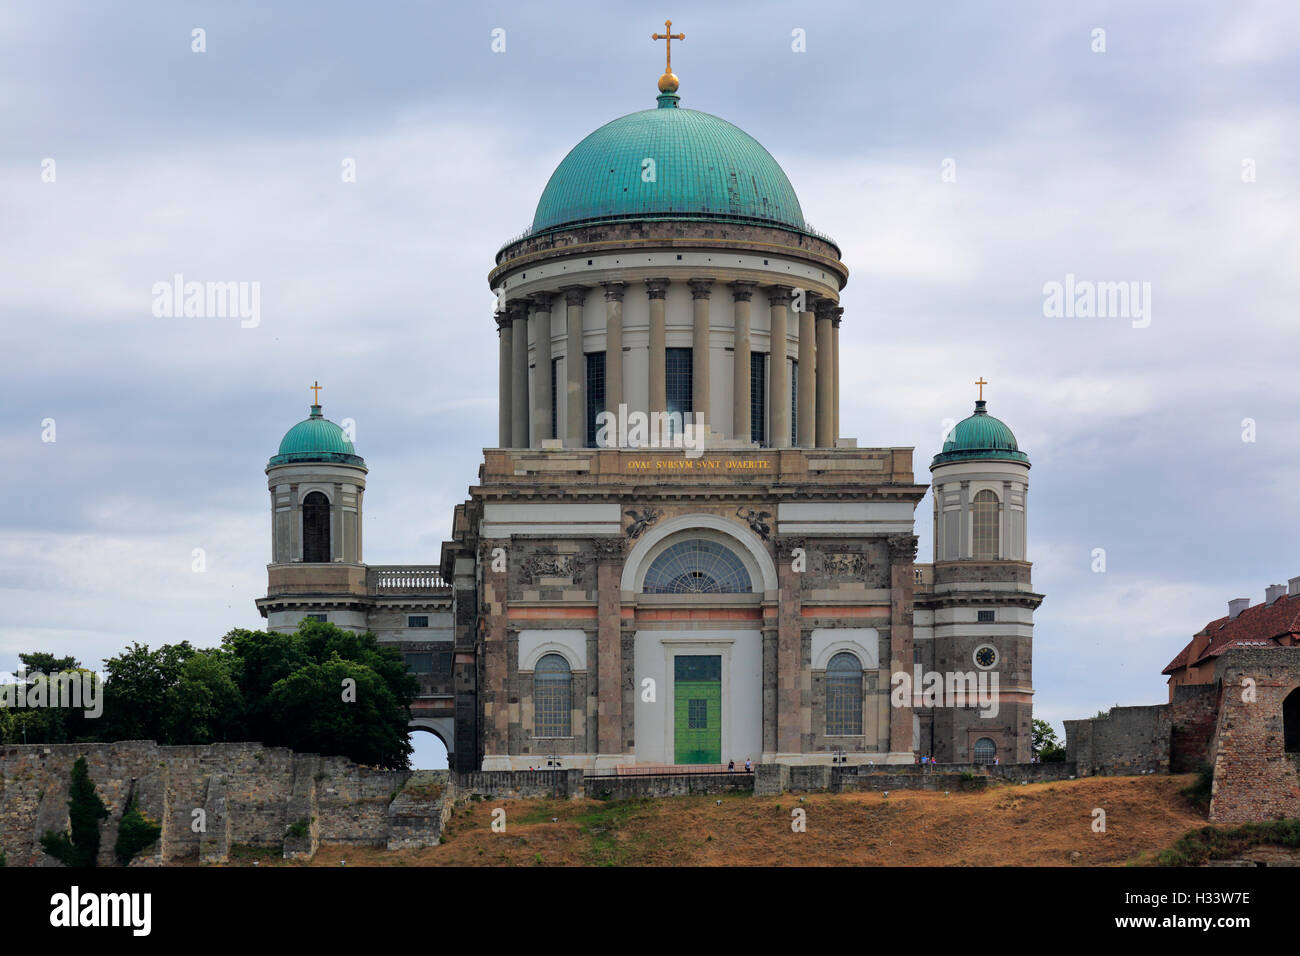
column 704, row 167
column 980, row 436
column 316, row 439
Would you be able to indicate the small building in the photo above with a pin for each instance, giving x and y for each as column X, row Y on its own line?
column 1274, row 623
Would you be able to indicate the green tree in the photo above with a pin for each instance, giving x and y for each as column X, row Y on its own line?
column 205, row 704
column 1045, row 742
column 293, row 687
column 136, row 691
column 341, row 707
column 48, row 663
column 46, row 723
column 80, row 847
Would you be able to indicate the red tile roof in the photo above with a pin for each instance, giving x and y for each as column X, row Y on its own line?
column 1258, row 626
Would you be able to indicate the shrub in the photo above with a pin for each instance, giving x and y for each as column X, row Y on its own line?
column 1199, row 792
column 80, row 847
column 134, row 833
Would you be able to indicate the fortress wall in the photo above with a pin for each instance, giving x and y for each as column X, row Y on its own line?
column 247, row 794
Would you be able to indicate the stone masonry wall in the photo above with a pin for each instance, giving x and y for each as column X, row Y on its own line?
column 1254, row 777
column 1192, row 717
column 248, row 794
column 1131, row 740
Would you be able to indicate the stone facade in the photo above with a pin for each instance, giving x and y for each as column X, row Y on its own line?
column 1256, row 776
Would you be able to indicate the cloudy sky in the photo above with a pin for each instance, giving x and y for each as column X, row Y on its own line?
column 1171, row 157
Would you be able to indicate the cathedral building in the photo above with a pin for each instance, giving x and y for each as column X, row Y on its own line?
column 671, row 555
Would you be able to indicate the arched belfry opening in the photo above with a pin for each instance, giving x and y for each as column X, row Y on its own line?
column 315, row 528
column 1291, row 721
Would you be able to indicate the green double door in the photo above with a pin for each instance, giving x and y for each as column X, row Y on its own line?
column 697, row 709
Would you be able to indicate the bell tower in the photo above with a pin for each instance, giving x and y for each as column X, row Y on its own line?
column 980, row 600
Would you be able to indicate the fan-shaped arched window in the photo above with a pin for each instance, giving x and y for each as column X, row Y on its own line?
column 552, row 697
column 697, row 566
column 985, row 750
column 844, row 695
column 986, row 525
column 316, row 528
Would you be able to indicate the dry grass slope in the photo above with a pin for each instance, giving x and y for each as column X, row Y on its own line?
column 1035, row 825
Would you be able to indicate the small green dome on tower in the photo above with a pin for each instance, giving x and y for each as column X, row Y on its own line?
column 668, row 164
column 316, row 438
column 980, row 436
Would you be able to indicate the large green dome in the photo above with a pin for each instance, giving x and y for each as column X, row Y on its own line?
column 316, row 439
column 980, row 436
column 704, row 167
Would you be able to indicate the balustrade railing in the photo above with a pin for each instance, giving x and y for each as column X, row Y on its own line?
column 394, row 579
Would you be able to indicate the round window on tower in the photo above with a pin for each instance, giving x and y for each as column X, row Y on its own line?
column 986, row 656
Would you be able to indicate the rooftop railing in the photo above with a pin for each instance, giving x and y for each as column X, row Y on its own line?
column 404, row 579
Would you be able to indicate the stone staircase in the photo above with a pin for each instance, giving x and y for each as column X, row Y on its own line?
column 418, row 812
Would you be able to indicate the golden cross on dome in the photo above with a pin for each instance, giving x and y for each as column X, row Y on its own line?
column 315, row 387
column 670, row 37
column 981, row 383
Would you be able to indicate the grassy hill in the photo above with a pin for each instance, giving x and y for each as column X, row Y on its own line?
column 1048, row 824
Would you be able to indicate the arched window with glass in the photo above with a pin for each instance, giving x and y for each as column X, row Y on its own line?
column 844, row 696
column 986, row 750
column 697, row 566
column 552, row 697
column 986, row 525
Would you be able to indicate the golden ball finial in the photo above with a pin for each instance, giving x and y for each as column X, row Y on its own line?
column 668, row 83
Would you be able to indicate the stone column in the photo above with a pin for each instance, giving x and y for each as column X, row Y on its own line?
column 701, row 289
column 902, row 580
column 542, row 367
column 778, row 378
column 657, row 289
column 789, row 649
column 614, row 345
column 575, row 365
column 965, row 542
column 518, row 311
column 495, row 691
column 609, row 644
column 741, row 293
column 837, row 313
column 807, row 426
column 825, row 377
column 504, row 372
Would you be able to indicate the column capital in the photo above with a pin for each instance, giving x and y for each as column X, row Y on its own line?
column 837, row 313
column 742, row 290
column 517, row 309
column 609, row 548
column 779, row 295
column 787, row 545
column 574, row 294
column 824, row 307
column 614, row 291
column 657, row 288
column 541, row 301
column 700, row 288
column 504, row 321
column 902, row 548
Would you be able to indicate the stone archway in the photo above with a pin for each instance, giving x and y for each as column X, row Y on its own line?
column 442, row 728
